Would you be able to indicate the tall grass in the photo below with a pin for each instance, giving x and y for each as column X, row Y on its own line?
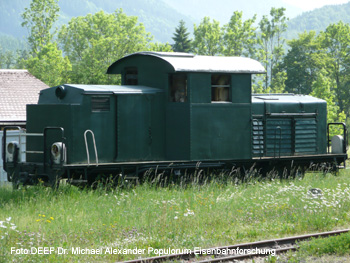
column 181, row 215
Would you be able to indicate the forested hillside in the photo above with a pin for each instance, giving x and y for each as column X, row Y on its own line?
column 318, row 19
column 158, row 18
column 222, row 10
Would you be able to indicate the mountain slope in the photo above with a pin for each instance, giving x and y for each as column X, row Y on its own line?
column 318, row 19
column 159, row 18
column 222, row 10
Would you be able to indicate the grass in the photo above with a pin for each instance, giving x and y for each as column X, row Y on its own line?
column 339, row 245
column 177, row 216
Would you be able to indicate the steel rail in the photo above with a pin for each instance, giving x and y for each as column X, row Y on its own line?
column 267, row 244
column 246, row 256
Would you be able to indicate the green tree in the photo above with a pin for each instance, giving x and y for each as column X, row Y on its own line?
column 279, row 82
column 271, row 42
column 182, row 42
column 49, row 65
column 39, row 19
column 20, row 58
column 46, row 61
column 160, row 47
column 322, row 88
column 207, row 38
column 239, row 38
column 9, row 59
column 336, row 41
column 1, row 57
column 303, row 61
column 94, row 42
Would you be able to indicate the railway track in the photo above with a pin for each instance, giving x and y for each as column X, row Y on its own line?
column 240, row 251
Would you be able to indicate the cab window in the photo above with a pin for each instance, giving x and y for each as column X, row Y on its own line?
column 178, row 87
column 130, row 77
column 220, row 88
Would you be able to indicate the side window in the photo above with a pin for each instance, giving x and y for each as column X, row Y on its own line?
column 130, row 77
column 178, row 87
column 220, row 87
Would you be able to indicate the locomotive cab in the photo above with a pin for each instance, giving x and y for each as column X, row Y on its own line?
column 207, row 102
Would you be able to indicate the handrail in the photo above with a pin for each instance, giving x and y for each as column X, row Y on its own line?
column 87, row 148
column 345, row 131
column 20, row 151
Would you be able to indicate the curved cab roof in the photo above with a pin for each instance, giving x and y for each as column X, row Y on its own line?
column 185, row 62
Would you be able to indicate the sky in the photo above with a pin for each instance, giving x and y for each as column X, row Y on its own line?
column 307, row 5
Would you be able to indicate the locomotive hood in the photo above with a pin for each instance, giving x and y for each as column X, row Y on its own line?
column 287, row 104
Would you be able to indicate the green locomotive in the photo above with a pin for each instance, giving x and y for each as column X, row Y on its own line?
column 173, row 111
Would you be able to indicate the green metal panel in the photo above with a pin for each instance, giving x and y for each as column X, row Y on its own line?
column 200, row 87
column 178, row 131
column 241, row 88
column 279, row 136
column 291, row 136
column 158, row 127
column 305, row 136
column 321, row 127
column 41, row 116
column 258, row 108
column 134, row 128
column 220, row 131
column 101, row 123
column 140, row 127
